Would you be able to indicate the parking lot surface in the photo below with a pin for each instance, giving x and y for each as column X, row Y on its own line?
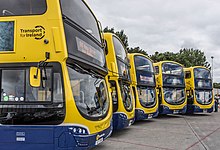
column 170, row 132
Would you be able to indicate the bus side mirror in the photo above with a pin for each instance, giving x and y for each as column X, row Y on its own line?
column 106, row 47
column 35, row 77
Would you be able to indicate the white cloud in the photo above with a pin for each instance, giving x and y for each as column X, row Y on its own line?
column 165, row 25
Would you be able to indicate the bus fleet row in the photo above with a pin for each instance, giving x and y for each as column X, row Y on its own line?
column 65, row 85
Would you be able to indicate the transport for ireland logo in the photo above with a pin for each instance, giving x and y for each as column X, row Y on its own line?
column 37, row 33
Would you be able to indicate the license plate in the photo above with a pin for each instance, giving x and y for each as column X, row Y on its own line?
column 130, row 122
column 99, row 141
column 150, row 116
column 176, row 111
column 205, row 110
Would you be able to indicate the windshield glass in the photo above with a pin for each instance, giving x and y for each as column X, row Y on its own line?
column 144, row 71
column 77, row 11
column 147, row 96
column 172, row 69
column 202, row 73
column 22, row 7
column 173, row 74
column 174, row 95
column 203, row 96
column 89, row 92
column 122, row 60
column 202, row 78
column 31, row 105
column 126, row 96
column 119, row 49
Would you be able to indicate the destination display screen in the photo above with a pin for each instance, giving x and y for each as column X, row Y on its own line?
column 7, row 36
column 82, row 47
column 145, row 78
column 90, row 51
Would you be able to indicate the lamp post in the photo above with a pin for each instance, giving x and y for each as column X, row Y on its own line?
column 212, row 67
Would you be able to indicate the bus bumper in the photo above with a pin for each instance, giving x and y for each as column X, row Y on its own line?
column 196, row 109
column 166, row 110
column 141, row 115
column 49, row 137
column 121, row 121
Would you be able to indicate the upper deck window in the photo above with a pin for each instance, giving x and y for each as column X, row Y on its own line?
column 172, row 69
column 202, row 78
column 202, row 73
column 157, row 71
column 22, row 7
column 119, row 49
column 173, row 74
column 187, row 74
column 77, row 11
column 144, row 70
column 122, row 60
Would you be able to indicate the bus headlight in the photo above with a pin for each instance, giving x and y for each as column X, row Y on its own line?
column 78, row 130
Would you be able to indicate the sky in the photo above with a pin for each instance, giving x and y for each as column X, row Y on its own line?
column 165, row 25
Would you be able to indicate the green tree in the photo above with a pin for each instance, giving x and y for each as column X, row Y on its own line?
column 120, row 34
column 187, row 57
column 124, row 38
column 216, row 85
column 156, row 57
column 192, row 57
column 137, row 50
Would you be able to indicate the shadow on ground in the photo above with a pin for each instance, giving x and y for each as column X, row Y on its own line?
column 197, row 115
column 122, row 132
column 140, row 122
column 168, row 116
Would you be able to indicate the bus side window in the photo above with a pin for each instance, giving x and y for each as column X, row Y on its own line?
column 114, row 95
column 157, row 69
column 187, row 74
column 135, row 96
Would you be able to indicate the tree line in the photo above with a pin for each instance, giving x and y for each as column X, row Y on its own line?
column 186, row 56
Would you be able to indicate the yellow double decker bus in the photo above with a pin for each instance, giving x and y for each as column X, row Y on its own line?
column 52, row 72
column 199, row 89
column 144, row 86
column 120, row 82
column 171, row 85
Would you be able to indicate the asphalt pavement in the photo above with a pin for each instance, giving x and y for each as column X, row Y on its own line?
column 169, row 132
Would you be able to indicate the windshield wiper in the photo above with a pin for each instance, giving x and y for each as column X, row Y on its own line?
column 8, row 116
column 6, row 12
column 82, row 70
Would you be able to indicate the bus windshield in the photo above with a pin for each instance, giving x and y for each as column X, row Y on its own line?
column 90, row 92
column 173, row 75
column 22, row 104
column 147, row 96
column 126, row 96
column 174, row 95
column 22, row 7
column 122, row 60
column 144, row 71
column 203, row 96
column 202, row 78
